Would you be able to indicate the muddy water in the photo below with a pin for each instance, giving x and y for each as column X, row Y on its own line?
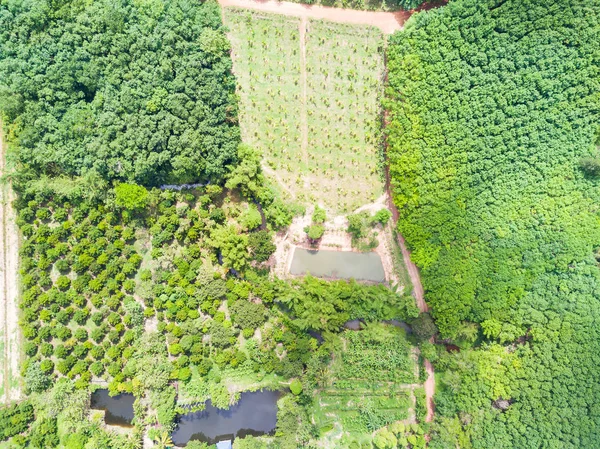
column 119, row 409
column 254, row 414
column 338, row 264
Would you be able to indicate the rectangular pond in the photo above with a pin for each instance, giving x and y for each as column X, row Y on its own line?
column 254, row 414
column 118, row 409
column 338, row 265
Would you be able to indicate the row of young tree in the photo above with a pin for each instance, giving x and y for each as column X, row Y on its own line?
column 493, row 105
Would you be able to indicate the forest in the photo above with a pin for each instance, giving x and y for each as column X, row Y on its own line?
column 132, row 91
column 493, row 132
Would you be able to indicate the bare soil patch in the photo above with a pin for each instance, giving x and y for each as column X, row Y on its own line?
column 10, row 340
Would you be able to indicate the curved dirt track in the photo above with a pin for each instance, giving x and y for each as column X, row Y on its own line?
column 388, row 22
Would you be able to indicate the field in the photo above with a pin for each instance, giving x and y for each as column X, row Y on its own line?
column 309, row 101
column 371, row 383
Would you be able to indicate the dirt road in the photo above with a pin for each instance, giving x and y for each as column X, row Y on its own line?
column 388, row 22
column 9, row 291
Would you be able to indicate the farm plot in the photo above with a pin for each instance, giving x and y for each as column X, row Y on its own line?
column 266, row 54
column 343, row 102
column 371, row 382
column 309, row 101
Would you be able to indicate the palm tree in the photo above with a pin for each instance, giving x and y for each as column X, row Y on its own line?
column 163, row 440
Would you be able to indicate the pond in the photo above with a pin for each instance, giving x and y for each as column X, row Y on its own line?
column 338, row 264
column 254, row 414
column 119, row 409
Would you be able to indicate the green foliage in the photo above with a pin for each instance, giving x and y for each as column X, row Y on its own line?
column 384, row 439
column 296, row 387
column 15, row 419
column 131, row 196
column 35, row 378
column 247, row 174
column 321, row 305
column 247, row 315
column 382, row 216
column 319, row 215
column 261, row 245
column 93, row 93
column 492, row 105
column 315, row 232
column 424, row 327
column 590, row 166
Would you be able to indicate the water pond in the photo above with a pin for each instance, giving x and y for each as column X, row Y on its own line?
column 254, row 414
column 119, row 409
column 338, row 264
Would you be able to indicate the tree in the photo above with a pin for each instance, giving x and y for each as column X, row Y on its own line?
column 314, row 232
column 35, row 378
column 382, row 216
column 590, row 166
column 424, row 327
column 246, row 175
column 261, row 245
column 296, row 387
column 131, row 197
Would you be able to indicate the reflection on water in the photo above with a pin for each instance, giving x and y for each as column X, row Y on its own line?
column 119, row 409
column 254, row 414
column 338, row 264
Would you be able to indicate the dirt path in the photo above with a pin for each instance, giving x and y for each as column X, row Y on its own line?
column 388, row 22
column 9, row 291
column 303, row 80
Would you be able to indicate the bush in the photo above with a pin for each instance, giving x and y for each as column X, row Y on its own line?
column 63, row 283
column 382, row 216
column 296, row 387
column 131, row 196
column 15, row 419
column 424, row 327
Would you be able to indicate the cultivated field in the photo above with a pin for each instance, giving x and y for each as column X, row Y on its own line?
column 309, row 94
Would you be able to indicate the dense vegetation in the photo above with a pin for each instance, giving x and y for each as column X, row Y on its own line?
column 493, row 105
column 138, row 91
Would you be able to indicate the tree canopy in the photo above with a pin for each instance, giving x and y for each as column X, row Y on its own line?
column 492, row 106
column 135, row 91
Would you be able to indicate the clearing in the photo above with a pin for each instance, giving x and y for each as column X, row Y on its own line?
column 310, row 102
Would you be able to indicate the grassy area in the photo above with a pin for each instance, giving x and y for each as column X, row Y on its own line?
column 309, row 100
column 371, row 382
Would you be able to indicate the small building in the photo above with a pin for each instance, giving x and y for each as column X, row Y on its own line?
column 224, row 444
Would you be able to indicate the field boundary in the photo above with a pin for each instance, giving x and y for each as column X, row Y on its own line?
column 387, row 22
column 9, row 290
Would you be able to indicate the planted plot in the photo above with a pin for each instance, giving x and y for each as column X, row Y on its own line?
column 267, row 66
column 344, row 86
column 78, row 314
column 370, row 383
column 310, row 94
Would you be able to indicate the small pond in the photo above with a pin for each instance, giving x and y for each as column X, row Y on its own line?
column 254, row 414
column 338, row 264
column 119, row 409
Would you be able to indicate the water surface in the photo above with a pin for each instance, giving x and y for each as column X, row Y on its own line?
column 119, row 409
column 254, row 414
column 338, row 264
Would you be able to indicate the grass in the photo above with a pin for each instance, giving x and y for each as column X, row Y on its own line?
column 309, row 101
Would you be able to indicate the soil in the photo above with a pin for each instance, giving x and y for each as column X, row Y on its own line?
column 388, row 22
column 9, row 288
